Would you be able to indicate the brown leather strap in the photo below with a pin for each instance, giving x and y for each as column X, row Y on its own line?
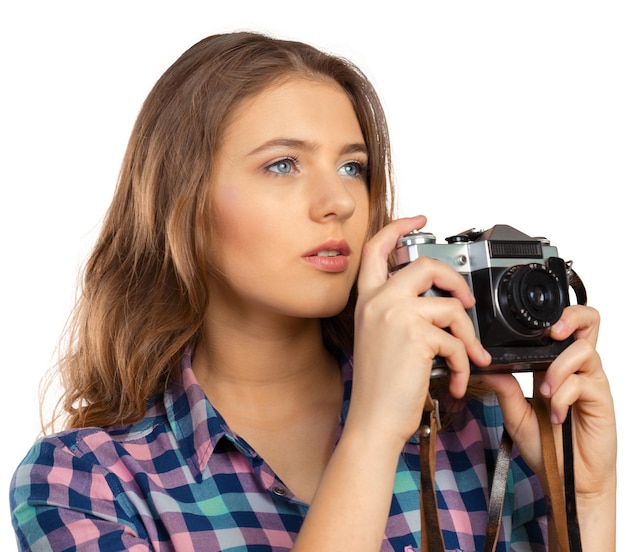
column 556, row 493
column 561, row 497
column 432, row 539
column 498, row 492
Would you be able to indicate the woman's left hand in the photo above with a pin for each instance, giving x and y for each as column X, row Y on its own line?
column 575, row 379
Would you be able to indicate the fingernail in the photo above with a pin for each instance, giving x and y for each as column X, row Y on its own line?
column 558, row 327
column 544, row 389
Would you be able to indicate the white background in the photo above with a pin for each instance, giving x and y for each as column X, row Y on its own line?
column 500, row 112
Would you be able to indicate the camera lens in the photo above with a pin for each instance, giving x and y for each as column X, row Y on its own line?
column 531, row 296
column 539, row 296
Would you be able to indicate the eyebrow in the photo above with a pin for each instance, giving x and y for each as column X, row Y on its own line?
column 304, row 145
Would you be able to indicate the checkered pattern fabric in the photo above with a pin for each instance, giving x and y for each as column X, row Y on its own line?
column 181, row 480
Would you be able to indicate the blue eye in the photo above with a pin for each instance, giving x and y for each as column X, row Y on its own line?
column 282, row 166
column 353, row 169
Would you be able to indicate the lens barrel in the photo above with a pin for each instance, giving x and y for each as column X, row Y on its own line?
column 531, row 297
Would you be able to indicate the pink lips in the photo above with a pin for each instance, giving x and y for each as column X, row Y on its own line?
column 331, row 256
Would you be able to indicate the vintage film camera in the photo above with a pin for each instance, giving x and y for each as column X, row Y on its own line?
column 521, row 287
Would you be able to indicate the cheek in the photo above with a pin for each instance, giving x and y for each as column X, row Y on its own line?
column 363, row 217
column 226, row 201
column 232, row 214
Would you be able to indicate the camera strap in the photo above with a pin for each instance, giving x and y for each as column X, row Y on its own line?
column 564, row 531
column 576, row 284
column 561, row 496
column 432, row 538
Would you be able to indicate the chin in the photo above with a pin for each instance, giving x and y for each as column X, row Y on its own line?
column 314, row 303
column 329, row 310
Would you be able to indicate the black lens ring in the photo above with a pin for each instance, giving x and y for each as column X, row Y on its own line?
column 517, row 301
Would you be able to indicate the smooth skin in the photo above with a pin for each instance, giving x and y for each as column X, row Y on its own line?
column 287, row 180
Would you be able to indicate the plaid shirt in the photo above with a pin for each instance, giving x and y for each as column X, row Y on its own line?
column 179, row 479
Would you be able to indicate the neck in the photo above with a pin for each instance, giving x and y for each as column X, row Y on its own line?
column 272, row 365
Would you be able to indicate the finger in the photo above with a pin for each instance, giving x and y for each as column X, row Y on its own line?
column 580, row 357
column 374, row 270
column 579, row 320
column 517, row 412
column 576, row 375
column 591, row 398
column 448, row 313
column 452, row 350
column 425, row 273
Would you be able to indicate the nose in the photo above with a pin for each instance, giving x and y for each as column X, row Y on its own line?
column 333, row 197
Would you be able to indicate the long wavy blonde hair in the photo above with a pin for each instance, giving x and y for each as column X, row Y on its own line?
column 145, row 287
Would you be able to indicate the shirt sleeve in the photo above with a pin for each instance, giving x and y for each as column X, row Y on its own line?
column 63, row 501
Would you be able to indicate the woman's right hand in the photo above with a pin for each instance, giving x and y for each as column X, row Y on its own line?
column 398, row 333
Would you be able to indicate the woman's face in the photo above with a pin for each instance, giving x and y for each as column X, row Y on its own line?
column 290, row 202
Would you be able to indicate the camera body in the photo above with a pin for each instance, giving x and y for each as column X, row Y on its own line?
column 521, row 287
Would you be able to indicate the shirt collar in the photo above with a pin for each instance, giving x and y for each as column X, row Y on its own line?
column 199, row 427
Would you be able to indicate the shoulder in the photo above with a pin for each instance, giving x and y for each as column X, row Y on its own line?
column 82, row 473
column 84, row 455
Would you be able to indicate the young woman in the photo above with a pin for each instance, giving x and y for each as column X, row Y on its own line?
column 242, row 374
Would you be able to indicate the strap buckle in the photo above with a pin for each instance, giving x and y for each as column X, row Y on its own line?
column 431, row 411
